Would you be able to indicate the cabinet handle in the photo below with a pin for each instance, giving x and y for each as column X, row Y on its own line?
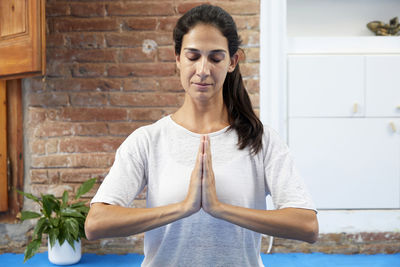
column 393, row 126
column 355, row 108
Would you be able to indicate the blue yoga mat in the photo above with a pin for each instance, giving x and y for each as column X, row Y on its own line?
column 270, row 260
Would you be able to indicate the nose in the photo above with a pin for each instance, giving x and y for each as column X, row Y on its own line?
column 203, row 68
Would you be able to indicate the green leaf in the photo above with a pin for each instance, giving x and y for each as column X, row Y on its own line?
column 31, row 249
column 85, row 187
column 30, row 196
column 71, row 240
column 53, row 234
column 78, row 204
column 68, row 212
column 72, row 227
column 83, row 209
column 26, row 215
column 50, row 204
column 64, row 199
column 40, row 226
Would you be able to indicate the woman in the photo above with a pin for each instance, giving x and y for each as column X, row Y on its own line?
column 208, row 167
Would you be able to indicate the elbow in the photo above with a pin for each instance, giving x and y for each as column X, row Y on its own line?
column 312, row 231
column 90, row 228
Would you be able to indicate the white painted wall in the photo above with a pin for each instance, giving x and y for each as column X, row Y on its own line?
column 309, row 18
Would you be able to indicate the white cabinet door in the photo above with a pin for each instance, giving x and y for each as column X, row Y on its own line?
column 326, row 86
column 383, row 86
column 348, row 163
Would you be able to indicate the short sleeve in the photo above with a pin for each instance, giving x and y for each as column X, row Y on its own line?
column 283, row 181
column 126, row 178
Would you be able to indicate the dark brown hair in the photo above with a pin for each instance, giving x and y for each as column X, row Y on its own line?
column 240, row 111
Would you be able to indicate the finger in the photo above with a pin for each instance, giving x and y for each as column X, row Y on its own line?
column 207, row 149
column 200, row 152
column 205, row 166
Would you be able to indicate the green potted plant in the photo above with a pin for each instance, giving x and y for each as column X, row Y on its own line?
column 62, row 219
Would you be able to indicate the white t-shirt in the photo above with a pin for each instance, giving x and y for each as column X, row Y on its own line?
column 162, row 156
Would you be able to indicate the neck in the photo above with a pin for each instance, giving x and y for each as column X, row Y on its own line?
column 202, row 117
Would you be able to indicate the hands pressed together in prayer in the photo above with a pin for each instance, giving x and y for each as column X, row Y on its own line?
column 202, row 192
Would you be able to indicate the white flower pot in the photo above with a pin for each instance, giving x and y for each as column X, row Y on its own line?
column 64, row 254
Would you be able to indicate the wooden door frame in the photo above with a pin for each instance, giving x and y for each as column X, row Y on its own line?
column 14, row 149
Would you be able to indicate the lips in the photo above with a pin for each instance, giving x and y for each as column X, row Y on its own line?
column 202, row 84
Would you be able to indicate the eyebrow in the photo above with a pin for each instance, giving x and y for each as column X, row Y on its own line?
column 212, row 51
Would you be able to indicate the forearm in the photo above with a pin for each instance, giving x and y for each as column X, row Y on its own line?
column 293, row 223
column 115, row 221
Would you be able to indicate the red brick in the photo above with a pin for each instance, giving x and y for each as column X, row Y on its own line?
column 85, row 84
column 149, row 114
column 140, row 23
column 88, row 70
column 48, row 99
column 82, row 175
column 166, row 54
column 250, row 38
column 38, row 176
column 53, row 129
column 51, row 146
column 57, row 9
column 38, row 147
column 252, row 54
column 87, row 160
column 124, row 128
column 86, row 40
column 250, row 69
column 252, row 85
column 54, row 40
column 128, row 39
column 140, row 84
column 132, row 55
column 93, row 114
column 57, row 190
column 36, row 116
column 184, row 7
column 85, row 24
column 88, row 9
column 90, row 129
column 240, row 8
column 255, row 100
column 89, row 144
column 58, row 69
column 172, row 84
column 141, row 69
column 79, row 55
column 142, row 9
column 247, row 22
column 88, row 99
column 167, row 23
column 147, row 99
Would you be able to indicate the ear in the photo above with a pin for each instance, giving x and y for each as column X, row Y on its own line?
column 234, row 61
column 178, row 61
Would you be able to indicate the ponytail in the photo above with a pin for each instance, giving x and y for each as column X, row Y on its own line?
column 240, row 112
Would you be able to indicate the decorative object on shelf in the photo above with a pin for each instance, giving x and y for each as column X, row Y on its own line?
column 380, row 28
column 62, row 220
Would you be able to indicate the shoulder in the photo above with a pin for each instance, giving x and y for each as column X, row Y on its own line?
column 145, row 135
column 273, row 143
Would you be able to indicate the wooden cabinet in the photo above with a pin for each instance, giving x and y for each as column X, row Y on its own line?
column 344, row 130
column 22, row 38
column 22, row 54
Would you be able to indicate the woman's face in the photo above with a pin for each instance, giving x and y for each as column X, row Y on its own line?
column 204, row 62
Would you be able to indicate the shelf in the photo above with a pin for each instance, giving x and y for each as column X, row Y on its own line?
column 344, row 45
